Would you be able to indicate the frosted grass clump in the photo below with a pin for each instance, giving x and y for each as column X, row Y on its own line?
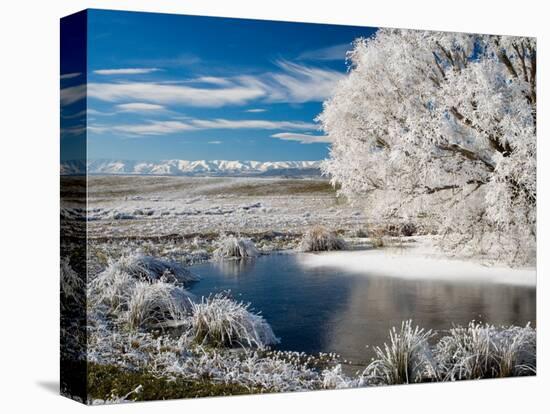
column 334, row 379
column 235, row 247
column 72, row 286
column 152, row 268
column 318, row 239
column 484, row 351
column 152, row 305
column 112, row 289
column 406, row 359
column 221, row 321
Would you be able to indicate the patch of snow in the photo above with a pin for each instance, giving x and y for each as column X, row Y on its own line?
column 423, row 262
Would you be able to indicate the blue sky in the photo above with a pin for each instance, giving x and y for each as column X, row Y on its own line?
column 163, row 86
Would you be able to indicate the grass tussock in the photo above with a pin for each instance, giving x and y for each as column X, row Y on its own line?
column 221, row 321
column 151, row 268
column 156, row 305
column 474, row 352
column 72, row 285
column 129, row 291
column 485, row 351
column 235, row 247
column 319, row 239
column 406, row 359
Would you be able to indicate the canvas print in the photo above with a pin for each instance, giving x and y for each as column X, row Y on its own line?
column 254, row 207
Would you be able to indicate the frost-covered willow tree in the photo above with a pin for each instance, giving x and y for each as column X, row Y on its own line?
column 441, row 126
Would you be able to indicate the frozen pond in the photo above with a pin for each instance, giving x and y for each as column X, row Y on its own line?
column 322, row 307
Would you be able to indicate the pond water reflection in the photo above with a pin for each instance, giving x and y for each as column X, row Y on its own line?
column 324, row 309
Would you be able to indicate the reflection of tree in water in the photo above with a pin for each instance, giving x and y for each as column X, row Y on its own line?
column 235, row 267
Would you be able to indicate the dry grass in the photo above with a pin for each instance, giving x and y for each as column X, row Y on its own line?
column 319, row 239
column 235, row 247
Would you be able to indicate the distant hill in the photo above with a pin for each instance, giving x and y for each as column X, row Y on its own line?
column 195, row 168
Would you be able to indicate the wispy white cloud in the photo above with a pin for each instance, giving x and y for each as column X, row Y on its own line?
column 173, row 94
column 214, row 80
column 302, row 138
column 293, row 83
column 125, row 71
column 300, row 83
column 150, row 128
column 73, row 131
column 70, row 75
column 334, row 52
column 139, row 107
column 79, row 114
column 92, row 111
column 175, row 126
column 72, row 94
column 256, row 110
column 214, row 142
column 251, row 124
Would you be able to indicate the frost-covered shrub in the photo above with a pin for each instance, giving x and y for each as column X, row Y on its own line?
column 234, row 247
column 221, row 321
column 484, row 351
column 319, row 239
column 157, row 304
column 151, row 268
column 406, row 359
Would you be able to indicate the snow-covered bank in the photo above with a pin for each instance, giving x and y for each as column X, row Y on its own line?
column 419, row 262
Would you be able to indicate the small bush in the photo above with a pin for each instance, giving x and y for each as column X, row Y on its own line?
column 484, row 351
column 221, row 321
column 318, row 239
column 407, row 359
column 233, row 247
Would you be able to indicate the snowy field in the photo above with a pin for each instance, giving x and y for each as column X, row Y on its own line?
column 159, row 206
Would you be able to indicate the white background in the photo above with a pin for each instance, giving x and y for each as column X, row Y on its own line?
column 29, row 131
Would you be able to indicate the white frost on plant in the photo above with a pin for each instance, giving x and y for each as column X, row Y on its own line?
column 156, row 305
column 151, row 268
column 485, row 351
column 319, row 239
column 72, row 285
column 443, row 126
column 221, row 321
column 235, row 247
column 405, row 360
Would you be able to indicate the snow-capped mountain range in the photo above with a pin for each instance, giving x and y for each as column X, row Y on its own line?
column 201, row 167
